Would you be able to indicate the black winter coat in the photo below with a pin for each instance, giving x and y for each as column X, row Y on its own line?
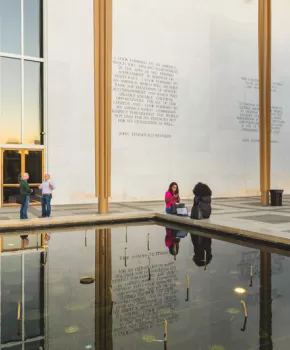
column 204, row 204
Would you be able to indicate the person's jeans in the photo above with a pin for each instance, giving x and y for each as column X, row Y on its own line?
column 24, row 208
column 45, row 205
column 168, row 210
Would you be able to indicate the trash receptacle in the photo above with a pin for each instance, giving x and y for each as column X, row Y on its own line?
column 276, row 197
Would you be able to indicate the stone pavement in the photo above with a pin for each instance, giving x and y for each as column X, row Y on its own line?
column 239, row 213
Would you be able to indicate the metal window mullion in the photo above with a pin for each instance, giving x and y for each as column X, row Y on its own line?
column 1, row 247
column 44, row 34
column 46, row 306
column 22, row 101
column 9, row 55
column 22, row 71
column 34, row 59
column 27, row 58
column 23, row 301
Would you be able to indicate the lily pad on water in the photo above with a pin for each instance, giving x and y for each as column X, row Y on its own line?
column 72, row 329
column 149, row 338
column 233, row 311
column 217, row 347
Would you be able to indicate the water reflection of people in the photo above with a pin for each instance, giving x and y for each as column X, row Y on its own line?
column 202, row 250
column 172, row 240
column 47, row 238
column 25, row 240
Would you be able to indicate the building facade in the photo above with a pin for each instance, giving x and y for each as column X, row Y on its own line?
column 184, row 97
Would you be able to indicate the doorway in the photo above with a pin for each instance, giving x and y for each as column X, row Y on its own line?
column 16, row 162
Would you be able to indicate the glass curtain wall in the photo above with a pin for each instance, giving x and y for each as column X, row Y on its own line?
column 21, row 72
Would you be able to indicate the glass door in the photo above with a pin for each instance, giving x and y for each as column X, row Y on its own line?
column 16, row 162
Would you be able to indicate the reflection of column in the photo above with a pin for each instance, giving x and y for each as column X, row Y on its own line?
column 264, row 31
column 103, row 299
column 265, row 302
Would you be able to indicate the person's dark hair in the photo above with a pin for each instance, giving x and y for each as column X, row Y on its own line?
column 201, row 190
column 170, row 187
column 174, row 249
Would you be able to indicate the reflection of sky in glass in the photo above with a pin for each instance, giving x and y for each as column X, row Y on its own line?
column 32, row 102
column 32, row 24
column 10, row 71
column 10, row 100
column 10, row 26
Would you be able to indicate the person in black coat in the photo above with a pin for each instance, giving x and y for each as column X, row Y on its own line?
column 201, row 208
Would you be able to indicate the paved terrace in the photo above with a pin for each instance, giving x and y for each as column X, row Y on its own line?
column 239, row 216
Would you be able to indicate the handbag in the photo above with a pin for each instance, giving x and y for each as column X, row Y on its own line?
column 182, row 211
column 174, row 208
column 181, row 234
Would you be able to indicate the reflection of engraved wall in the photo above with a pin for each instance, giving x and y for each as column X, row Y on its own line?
column 143, row 300
column 140, row 301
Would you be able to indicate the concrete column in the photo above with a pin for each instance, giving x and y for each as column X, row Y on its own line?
column 103, row 97
column 264, row 31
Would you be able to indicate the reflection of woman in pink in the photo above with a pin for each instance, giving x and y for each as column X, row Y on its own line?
column 171, row 197
column 171, row 241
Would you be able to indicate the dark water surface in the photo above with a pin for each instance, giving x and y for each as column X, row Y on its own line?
column 145, row 277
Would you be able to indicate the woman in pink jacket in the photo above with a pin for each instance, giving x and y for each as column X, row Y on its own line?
column 171, row 197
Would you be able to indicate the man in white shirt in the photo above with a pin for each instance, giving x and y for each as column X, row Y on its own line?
column 47, row 187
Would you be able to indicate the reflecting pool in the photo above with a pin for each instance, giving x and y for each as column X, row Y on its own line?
column 142, row 287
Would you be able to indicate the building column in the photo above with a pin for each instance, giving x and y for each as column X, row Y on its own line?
column 264, row 32
column 103, row 93
column 265, row 333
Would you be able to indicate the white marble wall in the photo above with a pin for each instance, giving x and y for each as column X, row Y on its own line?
column 214, row 46
column 70, row 132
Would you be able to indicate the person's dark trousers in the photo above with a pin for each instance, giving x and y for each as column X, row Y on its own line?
column 24, row 208
column 45, row 204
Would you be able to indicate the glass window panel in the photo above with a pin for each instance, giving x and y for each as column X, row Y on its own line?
column 33, row 122
column 10, row 194
column 33, row 28
column 35, row 345
column 10, row 26
column 12, row 166
column 15, row 347
column 34, row 295
column 33, row 166
column 11, row 294
column 11, row 243
column 10, row 100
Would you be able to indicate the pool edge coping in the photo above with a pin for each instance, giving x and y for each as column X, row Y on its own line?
column 37, row 224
